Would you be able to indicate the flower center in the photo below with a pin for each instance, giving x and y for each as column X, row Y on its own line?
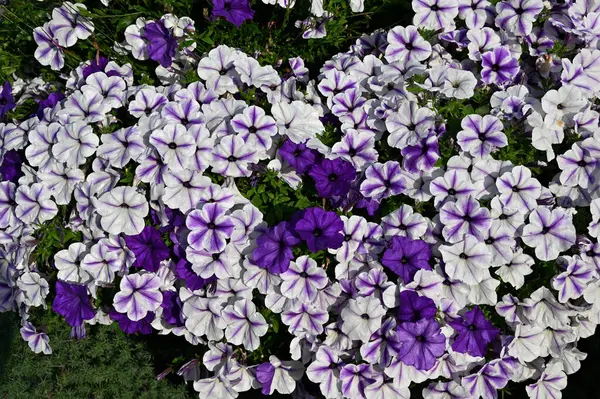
column 489, row 240
column 252, row 129
column 211, row 225
column 352, row 152
column 420, row 338
column 216, row 256
column 495, row 67
column 463, row 256
column 435, row 8
column 231, row 158
column 303, row 275
column 3, row 101
column 365, row 316
column 545, row 230
column 332, row 177
column 452, row 191
column 404, row 260
column 172, row 146
column 347, row 237
column 516, row 189
column 581, row 163
column 502, row 217
column 408, row 46
column 317, row 232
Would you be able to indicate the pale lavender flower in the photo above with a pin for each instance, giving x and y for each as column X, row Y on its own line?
column 383, row 180
column 69, row 264
column 303, row 280
column 473, row 12
column 304, row 318
column 577, row 166
column 297, row 120
column 112, row 88
column 253, row 74
column 463, row 217
column 87, row 106
column 406, row 44
column 75, row 143
column 41, row 140
column 232, row 157
column 245, row 325
column 175, row 146
column 325, row 370
column 138, row 295
column 550, row 232
column 203, row 317
column 121, row 146
column 435, row 14
column 48, row 52
column 223, row 264
column 146, row 102
column 498, row 66
column 571, row 283
column 68, row 25
column 37, row 341
column 255, row 128
column 467, row 261
column 517, row 16
column 356, row 147
column 210, row 227
column 361, row 317
column 481, row 135
column 122, row 210
column 34, row 205
column 184, row 190
column 101, row 264
column 61, row 181
column 409, row 124
column 518, row 190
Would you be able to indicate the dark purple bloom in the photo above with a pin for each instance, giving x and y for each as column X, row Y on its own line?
column 11, row 167
column 421, row 343
column 406, row 256
column 172, row 308
column 149, row 249
column 274, row 248
column 96, row 65
column 142, row 326
column 7, row 101
column 413, row 307
column 73, row 303
column 183, row 270
column 320, row 229
column 234, row 11
column 49, row 102
column 264, row 374
column 421, row 156
column 498, row 66
column 299, row 156
column 162, row 45
column 475, row 332
column 333, row 177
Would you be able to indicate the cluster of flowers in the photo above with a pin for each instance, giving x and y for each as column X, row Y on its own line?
column 402, row 301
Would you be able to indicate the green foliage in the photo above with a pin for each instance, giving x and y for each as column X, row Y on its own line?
column 106, row 364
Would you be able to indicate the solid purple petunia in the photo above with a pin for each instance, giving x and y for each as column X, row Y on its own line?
column 72, row 302
column 406, row 256
column 162, row 45
column 274, row 248
column 474, row 333
column 234, row 11
column 149, row 249
column 320, row 229
column 333, row 177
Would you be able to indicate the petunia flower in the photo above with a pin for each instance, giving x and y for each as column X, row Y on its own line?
column 210, row 227
column 498, row 66
column 298, row 155
column 452, row 185
column 122, row 210
column 355, row 379
column 233, row 157
column 280, row 376
column 203, row 317
column 435, row 14
column 422, row 156
column 405, row 43
column 517, row 16
column 325, row 370
column 138, row 295
column 474, row 333
column 304, row 318
column 128, row 326
column 409, row 125
column 303, row 280
column 571, row 283
column 146, row 102
column 34, row 204
column 297, row 120
column 486, row 382
column 255, row 128
column 223, row 264
column 75, row 144
column 550, row 232
column 356, row 147
column 73, row 303
column 7, row 100
column 68, row 25
column 467, row 261
column 37, row 341
column 149, row 249
column 245, row 325
column 320, row 229
column 465, row 216
column 473, row 12
column 404, row 222
column 101, row 263
column 333, row 177
column 121, row 146
column 112, row 88
column 550, row 384
column 518, row 189
column 175, row 146
column 161, row 44
column 84, row 106
column 361, row 317
column 577, row 166
column 48, row 51
column 405, row 257
column 383, row 180
column 421, row 343
column 481, row 135
column 234, row 11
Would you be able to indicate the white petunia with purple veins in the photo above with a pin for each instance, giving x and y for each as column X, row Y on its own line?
column 245, row 325
column 138, row 295
column 550, row 232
